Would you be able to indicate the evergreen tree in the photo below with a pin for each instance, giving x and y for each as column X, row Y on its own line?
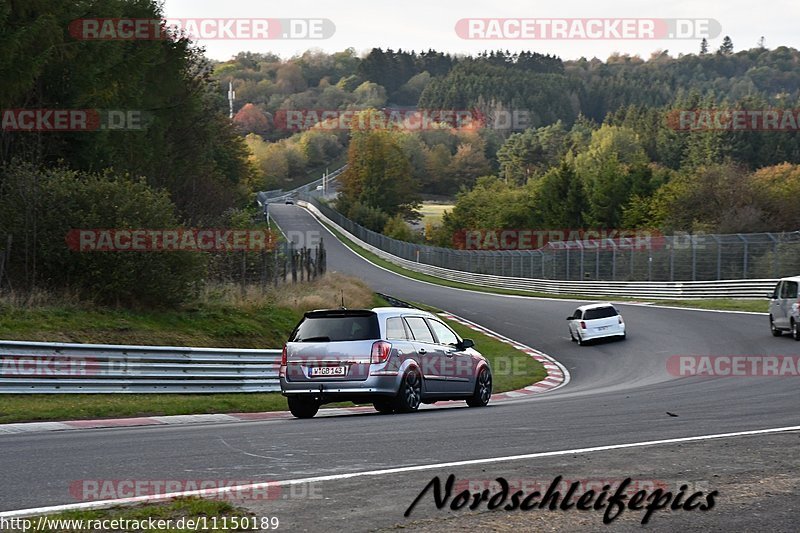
column 727, row 46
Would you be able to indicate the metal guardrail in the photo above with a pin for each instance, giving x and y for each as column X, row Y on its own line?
column 747, row 288
column 42, row 367
column 676, row 258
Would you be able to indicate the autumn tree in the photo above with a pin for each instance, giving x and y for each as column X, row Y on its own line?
column 251, row 119
column 378, row 175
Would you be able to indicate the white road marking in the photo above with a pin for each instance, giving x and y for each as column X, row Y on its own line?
column 36, row 511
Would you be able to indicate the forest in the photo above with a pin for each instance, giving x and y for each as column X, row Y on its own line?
column 598, row 147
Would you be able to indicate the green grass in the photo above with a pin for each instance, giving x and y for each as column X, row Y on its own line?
column 729, row 304
column 200, row 325
column 176, row 511
column 756, row 306
column 432, row 212
column 49, row 407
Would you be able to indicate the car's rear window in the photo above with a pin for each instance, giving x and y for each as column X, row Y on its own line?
column 395, row 330
column 337, row 329
column 599, row 312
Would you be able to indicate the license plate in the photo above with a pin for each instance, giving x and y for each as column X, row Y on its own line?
column 317, row 371
column 601, row 328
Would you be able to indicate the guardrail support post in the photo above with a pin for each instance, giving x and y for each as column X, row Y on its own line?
column 744, row 255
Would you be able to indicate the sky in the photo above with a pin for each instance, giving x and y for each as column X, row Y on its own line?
column 422, row 24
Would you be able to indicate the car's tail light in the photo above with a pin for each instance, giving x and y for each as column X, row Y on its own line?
column 583, row 324
column 284, row 362
column 380, row 352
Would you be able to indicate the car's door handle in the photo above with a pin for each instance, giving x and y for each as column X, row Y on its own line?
column 422, row 351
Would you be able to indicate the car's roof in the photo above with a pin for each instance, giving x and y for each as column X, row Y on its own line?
column 595, row 306
column 380, row 311
column 790, row 278
column 400, row 310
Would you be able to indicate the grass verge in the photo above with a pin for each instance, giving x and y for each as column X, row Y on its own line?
column 185, row 514
column 50, row 407
column 221, row 317
column 512, row 370
column 729, row 304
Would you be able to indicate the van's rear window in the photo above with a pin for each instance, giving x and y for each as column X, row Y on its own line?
column 599, row 312
column 337, row 328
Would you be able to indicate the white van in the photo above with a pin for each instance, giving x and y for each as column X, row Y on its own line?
column 784, row 308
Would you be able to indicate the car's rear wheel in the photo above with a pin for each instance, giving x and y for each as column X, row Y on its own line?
column 775, row 331
column 581, row 342
column 410, row 394
column 795, row 331
column 483, row 389
column 384, row 407
column 303, row 407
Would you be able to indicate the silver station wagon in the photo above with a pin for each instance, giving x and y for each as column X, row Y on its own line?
column 394, row 358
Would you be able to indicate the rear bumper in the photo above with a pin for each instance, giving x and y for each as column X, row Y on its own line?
column 616, row 331
column 336, row 390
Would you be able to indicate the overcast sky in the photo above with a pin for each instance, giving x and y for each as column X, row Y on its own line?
column 422, row 24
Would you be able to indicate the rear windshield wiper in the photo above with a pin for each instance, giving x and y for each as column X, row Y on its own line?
column 315, row 339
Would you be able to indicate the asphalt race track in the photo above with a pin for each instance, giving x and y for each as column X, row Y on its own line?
column 620, row 393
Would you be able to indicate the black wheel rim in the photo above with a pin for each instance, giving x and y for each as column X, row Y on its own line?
column 412, row 390
column 485, row 386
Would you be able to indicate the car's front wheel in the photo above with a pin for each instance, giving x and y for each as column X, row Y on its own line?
column 483, row 389
column 303, row 407
column 795, row 330
column 410, row 394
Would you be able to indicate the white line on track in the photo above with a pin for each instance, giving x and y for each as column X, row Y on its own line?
column 22, row 513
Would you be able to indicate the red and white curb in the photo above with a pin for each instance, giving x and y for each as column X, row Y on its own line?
column 557, row 376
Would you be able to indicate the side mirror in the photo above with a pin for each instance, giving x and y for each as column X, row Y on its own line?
column 466, row 343
column 569, row 318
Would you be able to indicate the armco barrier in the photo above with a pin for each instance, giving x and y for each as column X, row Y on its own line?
column 747, row 288
column 42, row 367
